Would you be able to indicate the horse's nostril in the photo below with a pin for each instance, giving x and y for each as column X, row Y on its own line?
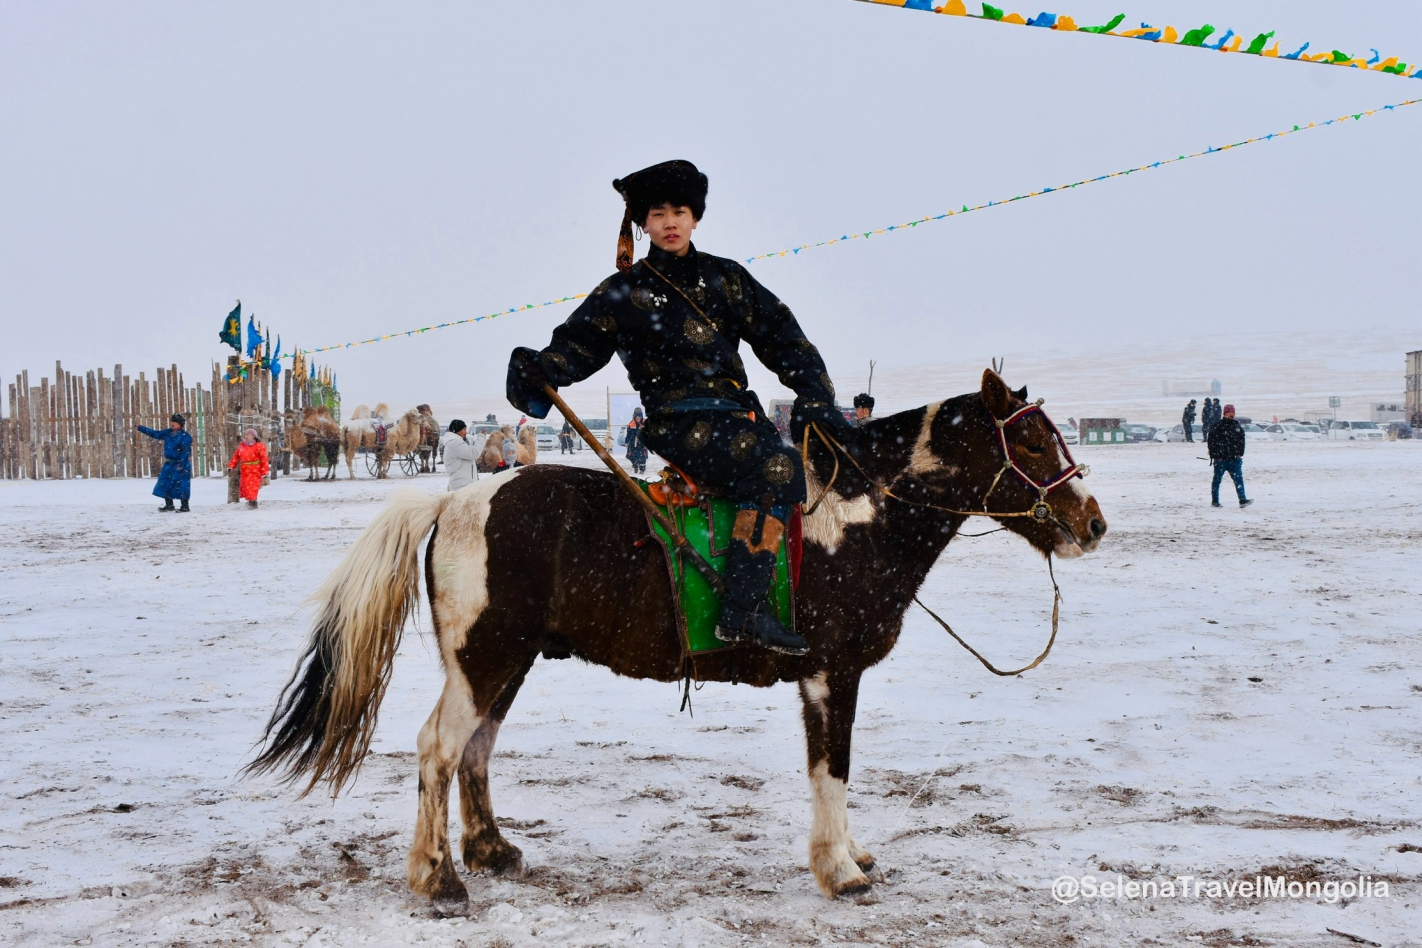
column 1098, row 527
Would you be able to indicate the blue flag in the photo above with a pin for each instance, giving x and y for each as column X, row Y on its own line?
column 276, row 361
column 232, row 328
column 254, row 338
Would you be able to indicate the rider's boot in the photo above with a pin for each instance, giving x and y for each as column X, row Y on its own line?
column 167, row 506
column 746, row 616
column 185, row 508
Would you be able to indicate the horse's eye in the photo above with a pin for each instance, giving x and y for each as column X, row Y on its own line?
column 1036, row 450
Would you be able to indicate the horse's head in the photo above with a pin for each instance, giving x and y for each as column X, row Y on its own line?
column 996, row 449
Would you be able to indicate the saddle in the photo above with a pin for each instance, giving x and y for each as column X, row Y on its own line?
column 379, row 427
column 706, row 521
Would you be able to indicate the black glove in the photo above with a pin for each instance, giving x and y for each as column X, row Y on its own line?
column 830, row 419
column 526, row 381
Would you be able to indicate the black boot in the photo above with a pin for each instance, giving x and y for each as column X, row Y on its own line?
column 167, row 506
column 746, row 616
column 185, row 508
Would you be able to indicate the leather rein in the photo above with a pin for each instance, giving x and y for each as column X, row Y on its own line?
column 1040, row 510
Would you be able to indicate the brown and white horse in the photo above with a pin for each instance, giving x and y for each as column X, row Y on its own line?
column 539, row 560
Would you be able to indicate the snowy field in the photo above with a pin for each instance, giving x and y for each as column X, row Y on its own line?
column 1234, row 693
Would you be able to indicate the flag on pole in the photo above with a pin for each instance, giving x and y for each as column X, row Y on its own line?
column 232, row 328
column 254, row 338
column 276, row 361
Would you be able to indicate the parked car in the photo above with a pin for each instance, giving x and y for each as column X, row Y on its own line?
column 1355, row 431
column 547, row 438
column 1069, row 433
column 1296, row 431
column 1178, row 433
column 1253, row 432
column 1136, row 432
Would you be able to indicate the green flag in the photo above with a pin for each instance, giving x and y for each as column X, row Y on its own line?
column 232, row 328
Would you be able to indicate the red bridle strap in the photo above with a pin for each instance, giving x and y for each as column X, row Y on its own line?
column 1010, row 459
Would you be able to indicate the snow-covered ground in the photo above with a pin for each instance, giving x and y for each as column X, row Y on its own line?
column 1234, row 692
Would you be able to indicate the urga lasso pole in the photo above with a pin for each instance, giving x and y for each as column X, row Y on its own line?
column 708, row 572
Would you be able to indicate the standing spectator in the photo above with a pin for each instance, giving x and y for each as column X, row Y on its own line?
column 175, row 479
column 250, row 460
column 1207, row 418
column 510, row 453
column 636, row 447
column 459, row 455
column 565, row 438
column 1188, row 421
column 863, row 408
column 1227, row 454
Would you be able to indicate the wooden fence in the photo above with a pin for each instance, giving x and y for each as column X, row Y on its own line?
column 82, row 425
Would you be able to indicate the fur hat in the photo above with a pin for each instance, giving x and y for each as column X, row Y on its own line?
column 677, row 182
column 456, row 426
column 864, row 400
column 180, row 420
column 1229, row 409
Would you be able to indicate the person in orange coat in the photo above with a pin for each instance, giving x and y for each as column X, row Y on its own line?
column 250, row 459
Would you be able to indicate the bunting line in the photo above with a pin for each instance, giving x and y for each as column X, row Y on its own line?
column 865, row 235
column 1229, row 42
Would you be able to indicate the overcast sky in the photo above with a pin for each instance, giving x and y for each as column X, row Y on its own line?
column 352, row 169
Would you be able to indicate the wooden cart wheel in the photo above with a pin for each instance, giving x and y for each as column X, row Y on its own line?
column 372, row 463
column 410, row 464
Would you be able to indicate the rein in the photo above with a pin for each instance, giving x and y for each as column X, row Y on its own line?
column 1040, row 511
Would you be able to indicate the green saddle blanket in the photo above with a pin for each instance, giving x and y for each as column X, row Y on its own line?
column 708, row 527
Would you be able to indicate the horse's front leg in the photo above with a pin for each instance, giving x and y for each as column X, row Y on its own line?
column 840, row 866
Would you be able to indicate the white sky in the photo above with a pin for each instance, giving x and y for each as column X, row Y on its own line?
column 353, row 169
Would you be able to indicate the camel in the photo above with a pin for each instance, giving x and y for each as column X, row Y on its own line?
column 315, row 438
column 492, row 456
column 370, row 431
column 429, row 439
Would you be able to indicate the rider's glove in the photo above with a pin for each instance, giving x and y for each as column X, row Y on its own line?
column 526, row 381
column 830, row 419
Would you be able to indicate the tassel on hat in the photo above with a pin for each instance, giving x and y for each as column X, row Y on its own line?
column 624, row 242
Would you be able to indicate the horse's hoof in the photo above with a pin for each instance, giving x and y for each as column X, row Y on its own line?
column 857, row 886
column 450, row 906
column 500, row 857
column 871, row 870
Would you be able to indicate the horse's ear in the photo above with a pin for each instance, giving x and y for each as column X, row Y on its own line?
column 996, row 396
column 1020, row 394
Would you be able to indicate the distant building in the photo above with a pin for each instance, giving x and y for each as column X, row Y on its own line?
column 1414, row 388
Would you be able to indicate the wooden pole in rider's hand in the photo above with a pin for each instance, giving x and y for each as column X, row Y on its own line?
column 708, row 572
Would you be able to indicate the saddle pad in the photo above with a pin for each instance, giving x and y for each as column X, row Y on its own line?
column 708, row 526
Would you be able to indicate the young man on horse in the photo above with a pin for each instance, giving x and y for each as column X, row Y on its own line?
column 676, row 319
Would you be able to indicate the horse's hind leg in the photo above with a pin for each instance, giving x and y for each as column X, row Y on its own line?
column 442, row 740
column 484, row 846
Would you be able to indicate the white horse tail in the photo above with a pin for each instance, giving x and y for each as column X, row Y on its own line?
column 326, row 715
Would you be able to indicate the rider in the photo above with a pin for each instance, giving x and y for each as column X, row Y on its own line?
column 676, row 319
column 863, row 408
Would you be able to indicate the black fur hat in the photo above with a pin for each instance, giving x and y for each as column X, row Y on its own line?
column 678, row 183
column 180, row 420
column 864, row 400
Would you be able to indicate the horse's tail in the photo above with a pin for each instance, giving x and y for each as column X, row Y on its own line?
column 326, row 714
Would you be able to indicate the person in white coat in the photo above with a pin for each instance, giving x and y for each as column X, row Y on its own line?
column 459, row 455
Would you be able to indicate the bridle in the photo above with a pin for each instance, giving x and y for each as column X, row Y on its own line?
column 1040, row 511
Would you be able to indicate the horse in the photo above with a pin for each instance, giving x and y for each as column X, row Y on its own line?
column 403, row 437
column 314, row 438
column 539, row 559
column 429, row 439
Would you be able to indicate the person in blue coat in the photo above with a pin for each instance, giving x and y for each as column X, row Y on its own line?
column 175, row 480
